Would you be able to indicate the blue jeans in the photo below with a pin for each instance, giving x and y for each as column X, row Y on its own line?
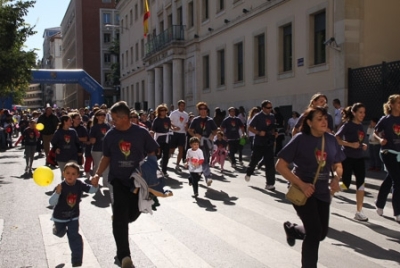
column 206, row 163
column 74, row 238
column 392, row 180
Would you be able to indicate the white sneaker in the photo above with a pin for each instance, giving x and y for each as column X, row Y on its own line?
column 379, row 211
column 360, row 216
column 270, row 187
column 209, row 181
column 397, row 218
column 247, row 178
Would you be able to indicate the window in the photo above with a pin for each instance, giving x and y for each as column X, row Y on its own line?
column 205, row 10
column 127, row 57
column 206, row 72
column 287, row 47
column 180, row 17
column 122, row 61
column 259, row 55
column 130, row 17
column 136, row 51
column 221, row 67
column 142, row 48
column 131, row 55
column 107, row 58
column 220, row 5
column 106, row 18
column 319, row 37
column 238, row 58
column 136, row 12
column 191, row 15
column 107, row 38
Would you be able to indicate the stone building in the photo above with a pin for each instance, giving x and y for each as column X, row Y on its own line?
column 240, row 52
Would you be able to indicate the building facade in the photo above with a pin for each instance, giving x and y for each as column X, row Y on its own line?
column 33, row 97
column 85, row 42
column 236, row 52
column 53, row 94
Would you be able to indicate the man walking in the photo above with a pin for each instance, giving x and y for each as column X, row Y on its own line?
column 263, row 126
column 179, row 120
column 124, row 147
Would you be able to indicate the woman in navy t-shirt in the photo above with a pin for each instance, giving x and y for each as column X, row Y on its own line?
column 351, row 136
column 304, row 151
column 387, row 131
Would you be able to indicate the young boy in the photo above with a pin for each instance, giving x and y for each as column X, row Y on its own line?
column 194, row 160
column 65, row 200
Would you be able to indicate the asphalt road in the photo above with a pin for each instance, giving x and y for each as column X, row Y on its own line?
column 233, row 223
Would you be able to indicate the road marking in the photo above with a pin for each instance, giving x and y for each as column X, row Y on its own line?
column 1, row 229
column 57, row 249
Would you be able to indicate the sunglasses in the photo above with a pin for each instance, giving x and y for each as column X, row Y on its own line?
column 163, row 110
column 135, row 117
column 100, row 115
column 202, row 108
column 270, row 107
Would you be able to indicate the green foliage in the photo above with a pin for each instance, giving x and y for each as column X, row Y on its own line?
column 115, row 71
column 15, row 63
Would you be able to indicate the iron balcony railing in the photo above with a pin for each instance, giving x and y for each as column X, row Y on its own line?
column 156, row 43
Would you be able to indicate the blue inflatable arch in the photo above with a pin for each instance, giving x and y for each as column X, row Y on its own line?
column 70, row 76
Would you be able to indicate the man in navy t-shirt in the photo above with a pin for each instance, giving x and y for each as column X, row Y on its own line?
column 263, row 125
column 124, row 147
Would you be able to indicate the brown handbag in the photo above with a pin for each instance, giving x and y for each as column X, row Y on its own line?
column 295, row 195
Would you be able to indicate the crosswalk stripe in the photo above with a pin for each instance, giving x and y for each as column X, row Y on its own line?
column 161, row 247
column 57, row 249
column 1, row 229
column 243, row 238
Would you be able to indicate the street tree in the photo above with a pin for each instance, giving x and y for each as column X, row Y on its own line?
column 15, row 63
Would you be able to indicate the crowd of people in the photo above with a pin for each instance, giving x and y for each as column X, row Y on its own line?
column 109, row 144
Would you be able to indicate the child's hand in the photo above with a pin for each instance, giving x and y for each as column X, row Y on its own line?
column 58, row 189
column 95, row 181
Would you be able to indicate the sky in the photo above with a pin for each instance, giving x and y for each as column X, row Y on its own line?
column 44, row 14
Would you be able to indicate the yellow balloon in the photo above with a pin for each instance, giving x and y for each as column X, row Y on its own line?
column 40, row 126
column 43, row 176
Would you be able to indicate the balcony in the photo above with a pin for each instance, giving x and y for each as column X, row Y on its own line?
column 157, row 43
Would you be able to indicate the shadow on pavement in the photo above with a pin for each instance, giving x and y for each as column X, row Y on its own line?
column 275, row 194
column 219, row 196
column 204, row 203
column 344, row 199
column 101, row 200
column 362, row 246
column 173, row 183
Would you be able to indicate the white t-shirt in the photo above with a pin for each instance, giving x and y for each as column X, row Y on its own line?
column 195, row 159
column 179, row 119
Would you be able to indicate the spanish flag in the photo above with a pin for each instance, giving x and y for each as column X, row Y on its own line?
column 146, row 18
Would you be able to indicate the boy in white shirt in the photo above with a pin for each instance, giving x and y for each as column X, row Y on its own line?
column 194, row 161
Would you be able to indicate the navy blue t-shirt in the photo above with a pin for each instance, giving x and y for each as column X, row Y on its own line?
column 389, row 125
column 98, row 131
column 68, row 143
column 161, row 125
column 231, row 125
column 126, row 149
column 264, row 122
column 68, row 203
column 203, row 126
column 30, row 137
column 352, row 132
column 302, row 151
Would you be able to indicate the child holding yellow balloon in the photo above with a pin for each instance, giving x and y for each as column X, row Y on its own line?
column 66, row 199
